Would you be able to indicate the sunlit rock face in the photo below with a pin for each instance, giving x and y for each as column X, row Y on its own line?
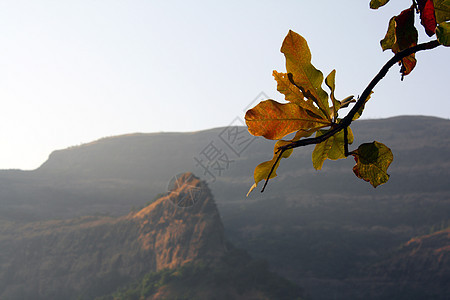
column 182, row 226
column 91, row 256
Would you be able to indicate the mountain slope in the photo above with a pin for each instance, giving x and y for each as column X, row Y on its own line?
column 420, row 269
column 89, row 255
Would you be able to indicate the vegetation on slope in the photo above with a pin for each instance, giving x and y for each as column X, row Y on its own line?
column 235, row 276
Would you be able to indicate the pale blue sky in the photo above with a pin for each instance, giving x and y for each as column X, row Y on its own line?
column 75, row 71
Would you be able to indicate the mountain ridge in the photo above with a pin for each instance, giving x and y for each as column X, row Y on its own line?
column 136, row 167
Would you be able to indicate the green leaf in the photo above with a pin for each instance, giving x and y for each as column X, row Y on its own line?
column 304, row 74
column 375, row 4
column 372, row 161
column 443, row 33
column 274, row 120
column 442, row 10
column 332, row 148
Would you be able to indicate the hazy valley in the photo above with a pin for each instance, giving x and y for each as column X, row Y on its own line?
column 327, row 231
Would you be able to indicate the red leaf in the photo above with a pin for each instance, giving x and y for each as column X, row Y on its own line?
column 421, row 4
column 406, row 37
column 427, row 16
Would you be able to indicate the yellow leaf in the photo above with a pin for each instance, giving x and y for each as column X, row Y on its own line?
column 263, row 169
column 330, row 82
column 305, row 75
column 293, row 93
column 332, row 148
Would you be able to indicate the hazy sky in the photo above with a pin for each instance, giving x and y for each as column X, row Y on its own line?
column 75, row 71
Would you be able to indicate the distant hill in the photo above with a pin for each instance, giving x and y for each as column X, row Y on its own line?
column 111, row 175
column 419, row 269
column 91, row 257
column 318, row 228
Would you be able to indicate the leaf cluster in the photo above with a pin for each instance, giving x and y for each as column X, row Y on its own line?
column 402, row 33
column 310, row 110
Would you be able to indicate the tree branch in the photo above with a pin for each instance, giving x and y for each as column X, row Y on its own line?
column 348, row 119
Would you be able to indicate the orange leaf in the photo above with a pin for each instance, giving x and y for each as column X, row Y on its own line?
column 274, row 120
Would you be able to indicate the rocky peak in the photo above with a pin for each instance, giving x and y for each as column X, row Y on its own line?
column 183, row 225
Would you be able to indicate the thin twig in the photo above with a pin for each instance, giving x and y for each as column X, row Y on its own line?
column 348, row 119
column 273, row 168
column 346, row 142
